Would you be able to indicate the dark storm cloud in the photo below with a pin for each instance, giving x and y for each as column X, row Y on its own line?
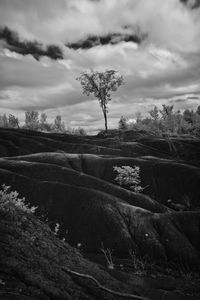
column 178, row 101
column 192, row 3
column 112, row 39
column 28, row 47
column 193, row 98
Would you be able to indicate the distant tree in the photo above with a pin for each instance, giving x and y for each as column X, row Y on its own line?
column 43, row 124
column 59, row 126
column 198, row 110
column 13, row 121
column 123, row 123
column 154, row 113
column 58, row 122
column 31, row 120
column 101, row 84
column 167, row 111
column 168, row 118
column 4, row 121
column 189, row 116
column 43, row 118
column 79, row 131
column 168, row 122
column 1, row 121
column 138, row 116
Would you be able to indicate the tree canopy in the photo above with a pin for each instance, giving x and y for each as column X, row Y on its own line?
column 101, row 84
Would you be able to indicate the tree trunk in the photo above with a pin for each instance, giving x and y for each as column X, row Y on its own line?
column 105, row 117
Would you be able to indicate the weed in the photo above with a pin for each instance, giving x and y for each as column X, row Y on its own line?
column 108, row 256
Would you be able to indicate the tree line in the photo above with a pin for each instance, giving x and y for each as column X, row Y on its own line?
column 165, row 120
column 101, row 85
column 35, row 121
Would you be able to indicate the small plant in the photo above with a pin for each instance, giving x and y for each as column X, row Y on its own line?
column 108, row 256
column 139, row 265
column 56, row 228
column 9, row 200
column 129, row 177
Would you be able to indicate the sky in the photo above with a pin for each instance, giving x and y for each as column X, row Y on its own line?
column 154, row 44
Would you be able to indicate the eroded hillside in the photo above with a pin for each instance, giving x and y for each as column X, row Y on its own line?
column 36, row 264
column 71, row 180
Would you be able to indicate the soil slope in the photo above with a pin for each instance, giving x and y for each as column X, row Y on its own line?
column 78, row 191
column 33, row 260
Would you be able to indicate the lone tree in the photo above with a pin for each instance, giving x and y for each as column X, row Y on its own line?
column 101, row 84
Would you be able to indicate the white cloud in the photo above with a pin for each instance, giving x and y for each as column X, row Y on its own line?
column 164, row 67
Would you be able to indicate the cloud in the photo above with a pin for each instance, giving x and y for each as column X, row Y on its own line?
column 13, row 43
column 193, row 97
column 102, row 35
column 18, row 71
column 113, row 39
column 191, row 3
column 67, row 21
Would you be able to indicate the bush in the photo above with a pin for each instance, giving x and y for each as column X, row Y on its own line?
column 9, row 200
column 129, row 177
column 77, row 131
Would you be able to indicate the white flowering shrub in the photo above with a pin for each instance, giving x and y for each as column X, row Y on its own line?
column 129, row 177
column 9, row 199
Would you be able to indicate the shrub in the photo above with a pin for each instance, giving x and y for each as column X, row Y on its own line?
column 123, row 123
column 129, row 177
column 78, row 131
column 9, row 200
column 141, row 265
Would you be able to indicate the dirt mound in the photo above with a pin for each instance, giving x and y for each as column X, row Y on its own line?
column 33, row 259
column 35, row 264
column 47, row 167
column 71, row 180
column 91, row 211
column 186, row 148
column 20, row 142
column 164, row 179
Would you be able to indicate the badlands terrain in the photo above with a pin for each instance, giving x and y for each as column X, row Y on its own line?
column 154, row 243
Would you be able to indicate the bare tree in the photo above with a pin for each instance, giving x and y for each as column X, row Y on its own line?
column 101, row 84
column 167, row 111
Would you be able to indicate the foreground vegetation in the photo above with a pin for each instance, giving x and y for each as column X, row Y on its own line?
column 45, row 267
